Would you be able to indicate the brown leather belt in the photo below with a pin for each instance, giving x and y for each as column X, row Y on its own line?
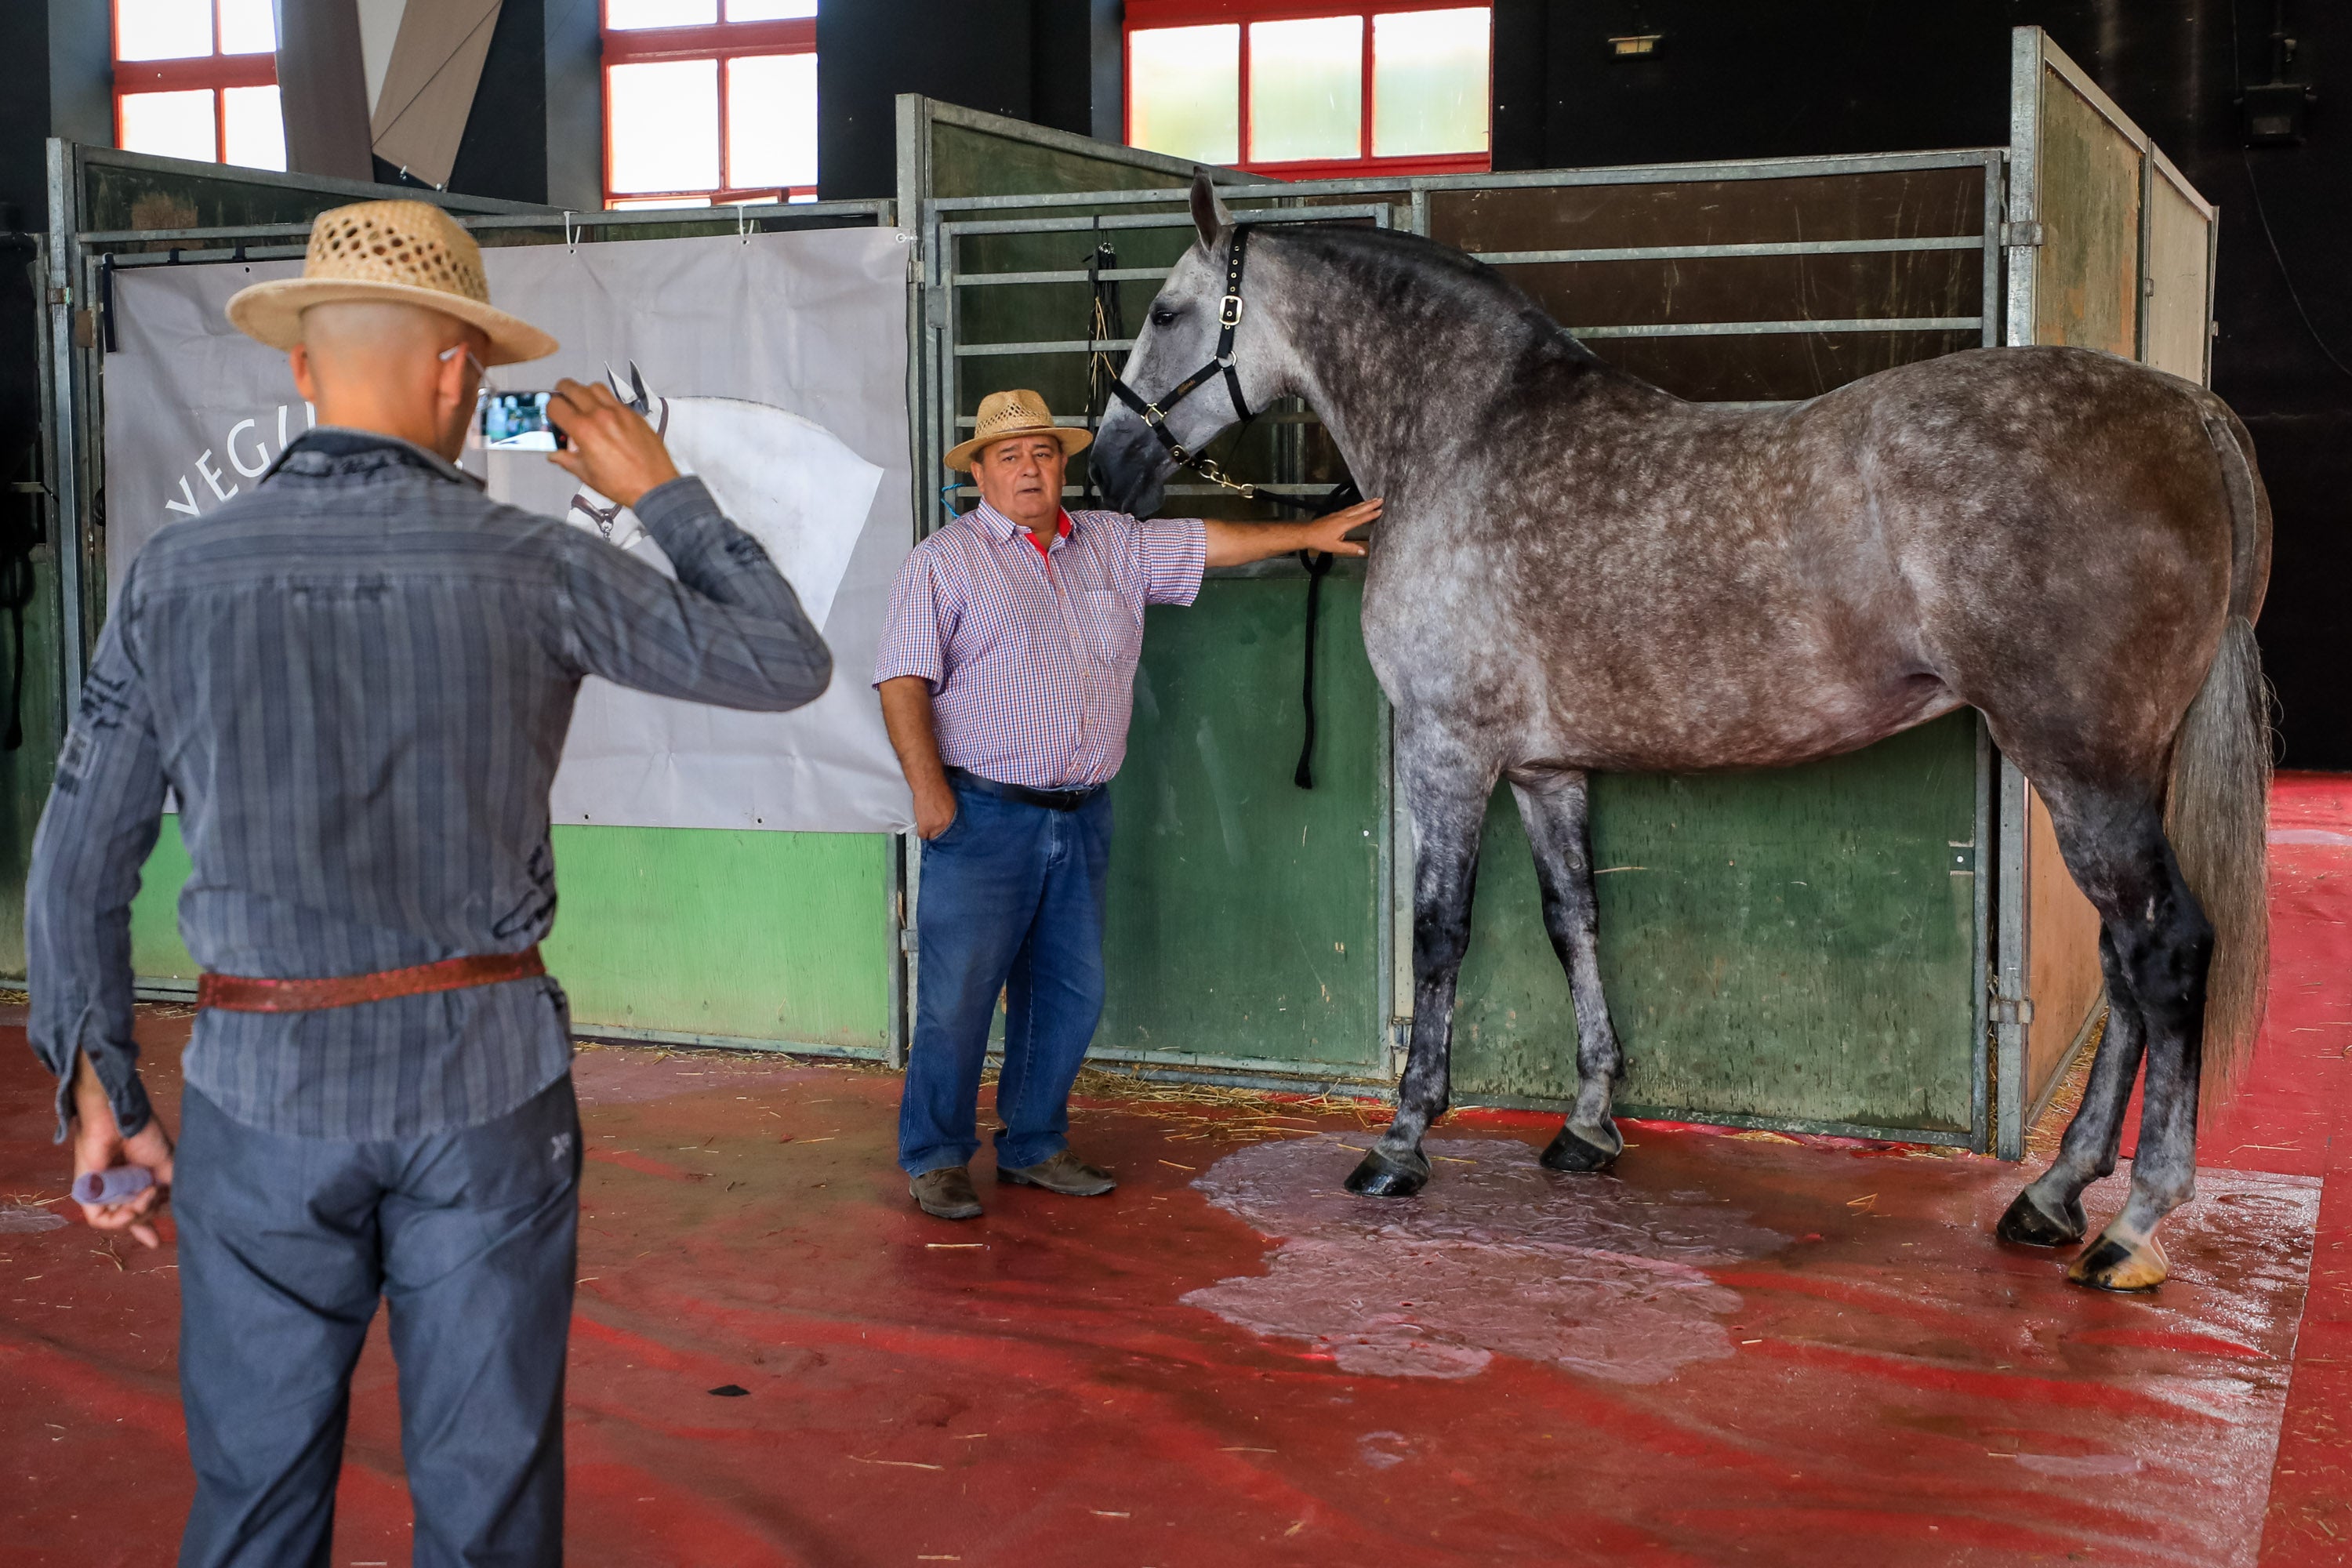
column 242, row 994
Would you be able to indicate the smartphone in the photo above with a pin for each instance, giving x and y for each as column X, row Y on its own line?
column 517, row 422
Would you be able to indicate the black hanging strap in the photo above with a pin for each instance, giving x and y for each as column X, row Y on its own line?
column 1319, row 566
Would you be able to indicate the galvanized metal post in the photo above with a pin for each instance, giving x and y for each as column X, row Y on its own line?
column 65, row 413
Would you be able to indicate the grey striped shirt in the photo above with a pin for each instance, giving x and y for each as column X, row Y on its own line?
column 357, row 681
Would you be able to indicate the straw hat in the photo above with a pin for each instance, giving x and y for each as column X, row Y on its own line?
column 412, row 253
column 1004, row 415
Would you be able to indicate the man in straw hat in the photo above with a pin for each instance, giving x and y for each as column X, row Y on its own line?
column 1007, row 674
column 357, row 679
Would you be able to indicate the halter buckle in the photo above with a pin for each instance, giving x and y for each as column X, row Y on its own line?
column 1153, row 415
column 1229, row 313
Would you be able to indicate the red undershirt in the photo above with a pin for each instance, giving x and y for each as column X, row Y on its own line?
column 1044, row 547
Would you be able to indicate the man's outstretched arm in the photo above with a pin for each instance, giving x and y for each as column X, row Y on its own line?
column 1239, row 543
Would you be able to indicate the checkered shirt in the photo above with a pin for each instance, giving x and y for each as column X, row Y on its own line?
column 1032, row 665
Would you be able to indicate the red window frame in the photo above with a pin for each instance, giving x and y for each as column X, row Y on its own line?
column 217, row 71
column 1143, row 15
column 720, row 41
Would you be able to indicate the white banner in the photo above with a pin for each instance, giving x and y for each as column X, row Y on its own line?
column 776, row 365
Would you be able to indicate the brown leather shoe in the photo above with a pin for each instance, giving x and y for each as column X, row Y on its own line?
column 946, row 1193
column 1065, row 1174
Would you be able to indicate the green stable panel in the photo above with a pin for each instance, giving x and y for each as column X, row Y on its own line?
column 1244, row 920
column 763, row 937
column 1794, row 946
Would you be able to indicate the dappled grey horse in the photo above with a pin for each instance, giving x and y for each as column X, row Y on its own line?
column 1576, row 571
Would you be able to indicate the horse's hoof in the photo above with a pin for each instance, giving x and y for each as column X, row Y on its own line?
column 2028, row 1224
column 1386, row 1176
column 2112, row 1263
column 1592, row 1150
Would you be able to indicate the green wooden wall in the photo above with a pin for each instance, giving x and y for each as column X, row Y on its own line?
column 1792, row 946
column 727, row 934
column 1245, row 912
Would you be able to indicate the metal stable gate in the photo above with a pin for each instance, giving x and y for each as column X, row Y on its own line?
column 1856, row 946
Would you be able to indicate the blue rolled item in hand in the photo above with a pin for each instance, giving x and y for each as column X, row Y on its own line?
column 119, row 1186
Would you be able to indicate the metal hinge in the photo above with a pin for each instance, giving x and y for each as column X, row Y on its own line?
column 907, row 941
column 2021, row 234
column 62, row 296
column 2012, row 1009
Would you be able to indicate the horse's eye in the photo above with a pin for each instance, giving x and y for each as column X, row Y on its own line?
column 1161, row 316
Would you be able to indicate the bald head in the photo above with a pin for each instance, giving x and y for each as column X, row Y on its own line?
column 377, row 365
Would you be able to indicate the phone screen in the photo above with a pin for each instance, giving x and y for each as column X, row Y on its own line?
column 517, row 422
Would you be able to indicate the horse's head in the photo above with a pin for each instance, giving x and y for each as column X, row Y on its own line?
column 1178, row 339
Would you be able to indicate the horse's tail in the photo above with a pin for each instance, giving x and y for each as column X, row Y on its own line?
column 2217, row 811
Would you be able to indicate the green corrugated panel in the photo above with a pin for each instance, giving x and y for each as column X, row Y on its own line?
column 1243, row 908
column 761, row 936
column 1792, row 945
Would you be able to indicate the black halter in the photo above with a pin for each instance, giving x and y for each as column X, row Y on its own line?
column 1342, row 495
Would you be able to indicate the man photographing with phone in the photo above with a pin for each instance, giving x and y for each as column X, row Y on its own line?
column 357, row 680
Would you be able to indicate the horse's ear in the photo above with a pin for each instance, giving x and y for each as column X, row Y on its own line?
column 1209, row 214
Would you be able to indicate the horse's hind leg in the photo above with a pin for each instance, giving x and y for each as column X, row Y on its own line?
column 1447, row 794
column 1556, row 808
column 2049, row 1212
column 2158, row 945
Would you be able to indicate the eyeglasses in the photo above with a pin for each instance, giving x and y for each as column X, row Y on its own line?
column 482, row 387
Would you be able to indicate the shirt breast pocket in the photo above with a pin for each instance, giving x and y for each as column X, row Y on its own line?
column 1114, row 628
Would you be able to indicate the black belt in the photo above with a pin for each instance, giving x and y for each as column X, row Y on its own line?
column 1051, row 799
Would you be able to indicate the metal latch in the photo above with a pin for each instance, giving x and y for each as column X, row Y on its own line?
column 2021, row 234
column 2012, row 1009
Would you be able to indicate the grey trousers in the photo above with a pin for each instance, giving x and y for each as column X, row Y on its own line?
column 470, row 1237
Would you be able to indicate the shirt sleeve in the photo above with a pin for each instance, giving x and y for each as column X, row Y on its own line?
column 922, row 625
column 729, row 631
column 1172, row 555
column 106, row 805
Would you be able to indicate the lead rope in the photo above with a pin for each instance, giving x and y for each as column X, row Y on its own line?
column 1106, row 323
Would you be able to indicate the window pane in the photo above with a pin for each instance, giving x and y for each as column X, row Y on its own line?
column 647, row 202
column 660, row 13
column 771, row 120
column 163, row 29
column 663, row 121
column 253, row 131
column 172, row 124
column 1184, row 91
column 248, row 27
column 768, row 10
column 1429, row 82
column 1307, row 88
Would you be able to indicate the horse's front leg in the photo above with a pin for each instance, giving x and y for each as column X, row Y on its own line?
column 1556, row 808
column 1449, row 806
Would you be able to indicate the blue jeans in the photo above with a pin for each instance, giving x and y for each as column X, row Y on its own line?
column 1012, row 903
column 286, row 1245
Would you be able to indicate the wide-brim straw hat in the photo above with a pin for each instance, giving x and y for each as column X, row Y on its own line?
column 1004, row 415
column 409, row 253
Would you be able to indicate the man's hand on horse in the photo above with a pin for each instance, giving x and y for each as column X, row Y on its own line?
column 99, row 1145
column 1329, row 532
column 613, row 450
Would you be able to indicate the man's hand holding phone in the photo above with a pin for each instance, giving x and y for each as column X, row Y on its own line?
column 613, row 451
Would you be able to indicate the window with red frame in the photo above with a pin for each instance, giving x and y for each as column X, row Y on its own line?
column 709, row 101
column 198, row 79
column 1306, row 90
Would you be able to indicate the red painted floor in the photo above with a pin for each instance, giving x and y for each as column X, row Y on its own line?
column 1736, row 1349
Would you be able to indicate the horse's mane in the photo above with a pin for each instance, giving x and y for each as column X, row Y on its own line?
column 1391, row 263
